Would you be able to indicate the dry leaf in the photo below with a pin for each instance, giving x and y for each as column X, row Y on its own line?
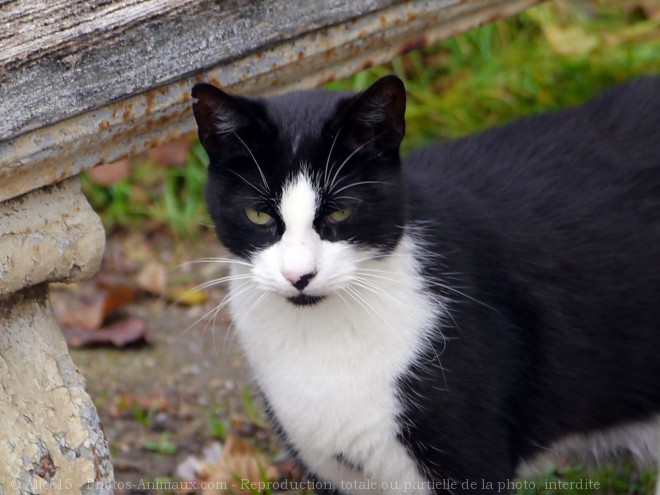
column 86, row 314
column 195, row 469
column 124, row 404
column 82, row 319
column 116, row 291
column 116, row 297
column 173, row 153
column 90, row 312
column 236, row 465
column 651, row 8
column 153, row 278
column 188, row 297
column 110, row 173
column 239, row 465
column 570, row 41
column 121, row 333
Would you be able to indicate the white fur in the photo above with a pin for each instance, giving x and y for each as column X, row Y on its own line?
column 300, row 247
column 296, row 143
column 329, row 370
column 224, row 121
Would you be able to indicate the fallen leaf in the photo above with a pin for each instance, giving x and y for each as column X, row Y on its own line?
column 173, row 153
column 234, row 465
column 188, row 297
column 115, row 298
column 84, row 314
column 110, row 173
column 157, row 403
column 89, row 312
column 570, row 41
column 194, row 468
column 153, row 278
column 117, row 292
column 120, row 334
column 125, row 403
column 651, row 8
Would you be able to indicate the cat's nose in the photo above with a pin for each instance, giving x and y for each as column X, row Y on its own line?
column 300, row 282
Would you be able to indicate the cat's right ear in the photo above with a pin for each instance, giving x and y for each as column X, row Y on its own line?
column 375, row 117
column 221, row 117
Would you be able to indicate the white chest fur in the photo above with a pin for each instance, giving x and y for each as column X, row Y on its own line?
column 329, row 371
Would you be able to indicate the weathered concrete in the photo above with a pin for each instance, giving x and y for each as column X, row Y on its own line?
column 50, row 436
column 49, row 235
column 104, row 86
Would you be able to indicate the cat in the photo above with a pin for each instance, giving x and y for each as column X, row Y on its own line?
column 443, row 323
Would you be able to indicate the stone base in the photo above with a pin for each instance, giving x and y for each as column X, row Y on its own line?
column 51, row 440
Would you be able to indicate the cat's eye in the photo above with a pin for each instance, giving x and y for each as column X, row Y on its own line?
column 258, row 217
column 339, row 215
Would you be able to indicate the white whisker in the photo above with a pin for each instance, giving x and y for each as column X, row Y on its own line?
column 361, row 183
column 370, row 286
column 350, row 198
column 430, row 282
column 332, row 147
column 216, row 309
column 229, row 261
column 330, row 187
column 259, row 299
column 355, row 296
column 263, row 177
column 216, row 281
column 258, row 189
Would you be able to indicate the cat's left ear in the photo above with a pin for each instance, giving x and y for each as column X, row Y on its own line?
column 220, row 117
column 376, row 117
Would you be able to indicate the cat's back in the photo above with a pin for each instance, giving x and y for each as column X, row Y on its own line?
column 570, row 198
column 610, row 141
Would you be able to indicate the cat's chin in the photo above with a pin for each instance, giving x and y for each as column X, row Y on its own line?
column 305, row 300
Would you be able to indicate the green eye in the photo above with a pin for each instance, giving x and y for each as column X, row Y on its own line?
column 339, row 215
column 258, row 217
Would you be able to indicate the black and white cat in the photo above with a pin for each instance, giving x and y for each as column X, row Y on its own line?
column 440, row 324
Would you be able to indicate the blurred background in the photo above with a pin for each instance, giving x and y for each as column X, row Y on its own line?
column 158, row 354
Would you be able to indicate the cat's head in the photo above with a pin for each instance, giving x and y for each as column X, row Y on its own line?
column 306, row 185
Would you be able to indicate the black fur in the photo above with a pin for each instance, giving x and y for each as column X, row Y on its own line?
column 547, row 236
column 553, row 223
column 369, row 124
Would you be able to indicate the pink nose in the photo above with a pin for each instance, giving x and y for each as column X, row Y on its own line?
column 299, row 282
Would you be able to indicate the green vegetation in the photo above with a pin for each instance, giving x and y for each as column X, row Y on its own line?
column 142, row 416
column 218, row 425
column 623, row 479
column 155, row 195
column 553, row 55
column 162, row 445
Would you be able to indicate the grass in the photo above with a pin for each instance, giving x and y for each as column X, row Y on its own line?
column 621, row 479
column 218, row 425
column 553, row 55
column 162, row 445
column 155, row 195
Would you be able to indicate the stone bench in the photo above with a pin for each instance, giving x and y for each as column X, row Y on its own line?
column 84, row 82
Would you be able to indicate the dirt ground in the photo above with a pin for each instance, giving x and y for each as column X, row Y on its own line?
column 165, row 401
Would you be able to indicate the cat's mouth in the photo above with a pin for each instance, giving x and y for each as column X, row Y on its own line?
column 305, row 300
